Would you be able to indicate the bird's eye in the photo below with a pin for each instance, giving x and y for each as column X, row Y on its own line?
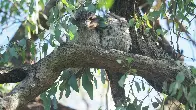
column 92, row 17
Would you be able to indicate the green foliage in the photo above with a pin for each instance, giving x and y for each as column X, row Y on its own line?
column 46, row 101
column 87, row 83
column 13, row 52
column 105, row 3
column 73, row 83
column 129, row 60
column 103, row 75
column 137, row 86
column 193, row 70
column 180, row 77
column 45, row 48
column 131, row 22
column 64, row 86
column 122, row 80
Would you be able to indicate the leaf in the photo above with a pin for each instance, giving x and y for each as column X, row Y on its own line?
column 95, row 82
column 99, row 71
column 193, row 89
column 122, row 80
column 159, row 32
column 133, row 71
column 179, row 94
column 148, row 24
column 164, row 86
column 158, row 100
column 102, row 23
column 120, row 108
column 145, row 108
column 150, row 1
column 56, row 12
column 138, row 107
column 71, row 35
column 131, row 106
column 72, row 1
column 31, row 7
column 155, row 104
column 180, row 77
column 13, row 52
column 89, row 74
column 41, row 4
column 187, row 106
column 54, row 103
column 185, row 91
column 68, row 91
column 103, row 76
column 131, row 22
column 129, row 59
column 5, row 57
column 193, row 70
column 153, row 15
column 105, row 3
column 63, row 85
column 73, row 28
column 22, row 43
column 46, row 101
column 91, row 8
column 45, row 48
column 73, row 83
column 57, row 33
column 137, row 86
column 147, row 30
column 173, row 88
column 65, row 2
column 53, row 89
column 119, row 61
column 143, row 86
column 87, row 85
column 66, row 74
column 60, row 95
column 138, row 24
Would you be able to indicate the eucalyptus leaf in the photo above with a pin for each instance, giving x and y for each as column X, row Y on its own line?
column 155, row 104
column 103, row 74
column 73, row 83
column 95, row 82
column 46, row 101
column 131, row 106
column 180, row 77
column 87, row 85
column 54, row 103
column 68, row 91
column 13, row 52
column 137, row 86
column 122, row 80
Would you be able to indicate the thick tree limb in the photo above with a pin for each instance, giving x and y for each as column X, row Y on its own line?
column 42, row 74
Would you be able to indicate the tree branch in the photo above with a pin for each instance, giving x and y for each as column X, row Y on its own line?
column 42, row 74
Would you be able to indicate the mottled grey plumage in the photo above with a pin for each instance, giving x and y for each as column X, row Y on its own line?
column 114, row 36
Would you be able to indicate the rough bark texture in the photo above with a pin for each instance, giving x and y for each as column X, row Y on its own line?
column 149, row 61
column 42, row 74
